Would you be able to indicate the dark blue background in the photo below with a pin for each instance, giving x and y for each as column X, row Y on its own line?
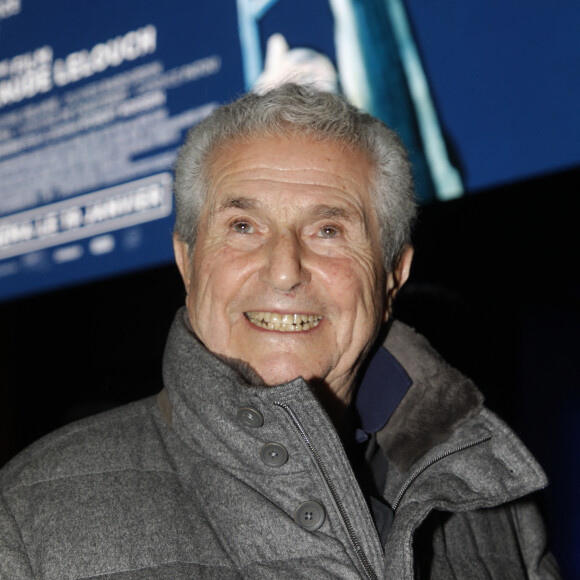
column 505, row 77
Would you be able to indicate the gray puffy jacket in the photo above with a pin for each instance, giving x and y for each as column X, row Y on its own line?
column 217, row 479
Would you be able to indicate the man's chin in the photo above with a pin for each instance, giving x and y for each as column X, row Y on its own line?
column 247, row 372
column 266, row 377
column 272, row 379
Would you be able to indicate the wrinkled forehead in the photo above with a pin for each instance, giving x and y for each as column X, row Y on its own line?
column 295, row 136
column 293, row 163
column 283, row 151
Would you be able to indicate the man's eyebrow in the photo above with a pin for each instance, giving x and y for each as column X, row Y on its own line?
column 243, row 203
column 333, row 212
column 319, row 211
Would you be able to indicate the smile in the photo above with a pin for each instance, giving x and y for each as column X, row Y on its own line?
column 283, row 322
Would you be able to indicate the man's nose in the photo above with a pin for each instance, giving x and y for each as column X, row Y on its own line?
column 284, row 268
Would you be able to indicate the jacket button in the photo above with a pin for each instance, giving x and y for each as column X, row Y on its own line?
column 310, row 515
column 250, row 417
column 274, row 454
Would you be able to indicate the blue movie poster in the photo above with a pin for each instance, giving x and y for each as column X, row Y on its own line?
column 95, row 98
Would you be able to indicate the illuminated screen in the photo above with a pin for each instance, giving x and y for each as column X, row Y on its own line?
column 95, row 98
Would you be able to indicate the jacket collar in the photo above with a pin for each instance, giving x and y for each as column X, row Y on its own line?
column 441, row 412
column 428, row 437
column 439, row 400
column 427, row 398
column 204, row 397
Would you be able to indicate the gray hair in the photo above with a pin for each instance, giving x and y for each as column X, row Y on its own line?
column 289, row 110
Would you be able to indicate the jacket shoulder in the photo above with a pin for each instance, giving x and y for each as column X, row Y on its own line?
column 105, row 442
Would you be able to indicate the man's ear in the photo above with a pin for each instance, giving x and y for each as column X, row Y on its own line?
column 182, row 259
column 398, row 277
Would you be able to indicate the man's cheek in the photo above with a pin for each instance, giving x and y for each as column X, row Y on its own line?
column 345, row 280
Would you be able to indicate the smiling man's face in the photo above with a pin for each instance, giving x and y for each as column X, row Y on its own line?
column 286, row 273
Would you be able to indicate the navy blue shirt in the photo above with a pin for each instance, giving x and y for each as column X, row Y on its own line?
column 382, row 388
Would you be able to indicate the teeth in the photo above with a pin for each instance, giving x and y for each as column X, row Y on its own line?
column 284, row 322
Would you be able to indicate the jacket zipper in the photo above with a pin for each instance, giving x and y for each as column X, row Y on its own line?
column 421, row 469
column 342, row 510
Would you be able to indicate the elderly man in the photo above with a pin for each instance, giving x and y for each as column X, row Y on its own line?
column 287, row 442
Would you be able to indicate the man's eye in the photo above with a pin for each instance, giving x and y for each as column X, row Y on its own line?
column 243, row 228
column 328, row 232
